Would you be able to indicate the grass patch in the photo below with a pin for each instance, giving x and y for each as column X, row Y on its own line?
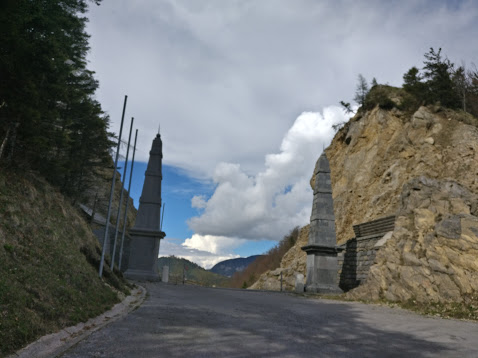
column 49, row 264
column 467, row 310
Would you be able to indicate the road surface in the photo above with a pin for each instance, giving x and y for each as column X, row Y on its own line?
column 190, row 321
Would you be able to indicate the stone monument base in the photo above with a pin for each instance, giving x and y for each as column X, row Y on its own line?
column 330, row 290
column 322, row 269
column 143, row 259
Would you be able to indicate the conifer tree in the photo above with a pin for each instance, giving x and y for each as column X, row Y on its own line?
column 47, row 93
column 437, row 73
column 361, row 91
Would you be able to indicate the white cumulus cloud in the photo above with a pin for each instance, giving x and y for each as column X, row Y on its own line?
column 271, row 203
column 213, row 244
column 206, row 251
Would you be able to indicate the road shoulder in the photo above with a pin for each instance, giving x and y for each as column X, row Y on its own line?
column 57, row 343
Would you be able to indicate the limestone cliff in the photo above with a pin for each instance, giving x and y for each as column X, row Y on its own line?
column 421, row 167
column 292, row 263
column 377, row 152
column 432, row 254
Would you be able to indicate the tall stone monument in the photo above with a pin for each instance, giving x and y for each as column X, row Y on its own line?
column 322, row 269
column 146, row 233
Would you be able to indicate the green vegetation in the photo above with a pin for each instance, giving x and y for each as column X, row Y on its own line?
column 194, row 274
column 361, row 91
column 270, row 261
column 48, row 272
column 439, row 82
column 466, row 310
column 49, row 119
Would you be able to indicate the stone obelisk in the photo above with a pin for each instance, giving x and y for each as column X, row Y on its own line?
column 146, row 233
column 322, row 269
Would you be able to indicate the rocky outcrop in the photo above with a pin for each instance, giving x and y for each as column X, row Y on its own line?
column 432, row 255
column 99, row 189
column 423, row 169
column 292, row 264
column 378, row 151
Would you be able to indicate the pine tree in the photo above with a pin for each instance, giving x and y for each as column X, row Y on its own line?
column 437, row 73
column 361, row 90
column 47, row 93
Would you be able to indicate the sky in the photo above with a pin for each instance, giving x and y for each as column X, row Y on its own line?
column 245, row 93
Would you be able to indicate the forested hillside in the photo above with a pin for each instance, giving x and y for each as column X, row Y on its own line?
column 50, row 121
column 54, row 145
column 182, row 270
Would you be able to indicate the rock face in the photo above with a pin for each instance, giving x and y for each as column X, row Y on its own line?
column 422, row 168
column 433, row 252
column 376, row 153
column 293, row 263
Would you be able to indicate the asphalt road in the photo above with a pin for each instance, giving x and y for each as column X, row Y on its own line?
column 189, row 321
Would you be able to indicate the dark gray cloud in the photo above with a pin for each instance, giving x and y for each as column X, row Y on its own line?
column 226, row 79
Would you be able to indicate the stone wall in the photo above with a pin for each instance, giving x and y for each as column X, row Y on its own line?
column 378, row 151
column 432, row 254
column 359, row 253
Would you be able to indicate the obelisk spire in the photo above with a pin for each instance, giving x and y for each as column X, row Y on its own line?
column 322, row 270
column 146, row 233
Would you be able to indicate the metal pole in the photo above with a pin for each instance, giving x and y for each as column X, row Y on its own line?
column 105, row 238
column 127, row 202
column 162, row 218
column 281, row 281
column 121, row 197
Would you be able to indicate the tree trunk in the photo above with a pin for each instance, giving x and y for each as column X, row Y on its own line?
column 4, row 143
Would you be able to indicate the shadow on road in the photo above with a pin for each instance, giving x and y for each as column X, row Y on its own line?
column 238, row 324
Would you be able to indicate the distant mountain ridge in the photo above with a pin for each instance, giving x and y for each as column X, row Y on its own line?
column 192, row 272
column 229, row 267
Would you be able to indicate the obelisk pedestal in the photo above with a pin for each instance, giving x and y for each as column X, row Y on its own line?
column 146, row 233
column 322, row 267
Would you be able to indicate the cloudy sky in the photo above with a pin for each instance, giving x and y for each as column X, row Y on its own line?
column 246, row 92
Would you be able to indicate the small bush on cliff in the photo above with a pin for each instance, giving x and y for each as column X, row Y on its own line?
column 270, row 261
column 380, row 95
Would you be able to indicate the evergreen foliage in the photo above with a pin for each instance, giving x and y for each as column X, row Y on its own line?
column 362, row 90
column 437, row 75
column 346, row 106
column 49, row 118
column 441, row 83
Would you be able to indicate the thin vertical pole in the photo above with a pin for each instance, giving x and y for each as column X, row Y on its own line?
column 127, row 202
column 162, row 218
column 281, row 281
column 93, row 212
column 108, row 216
column 121, row 196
